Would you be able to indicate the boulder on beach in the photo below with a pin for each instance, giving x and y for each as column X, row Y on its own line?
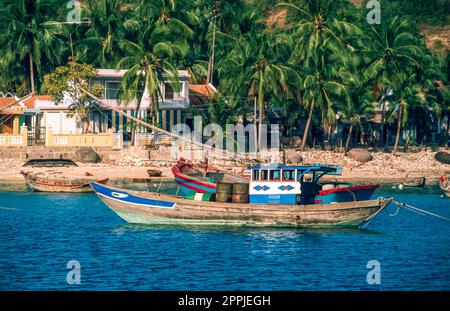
column 87, row 155
column 442, row 157
column 292, row 156
column 291, row 142
column 360, row 155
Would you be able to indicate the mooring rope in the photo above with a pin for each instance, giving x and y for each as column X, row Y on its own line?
column 160, row 183
column 418, row 210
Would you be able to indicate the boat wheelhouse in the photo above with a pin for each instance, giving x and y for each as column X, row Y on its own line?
column 283, row 184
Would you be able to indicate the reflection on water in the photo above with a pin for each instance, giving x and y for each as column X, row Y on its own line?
column 13, row 186
column 41, row 232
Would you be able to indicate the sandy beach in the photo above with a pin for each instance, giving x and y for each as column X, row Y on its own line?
column 384, row 168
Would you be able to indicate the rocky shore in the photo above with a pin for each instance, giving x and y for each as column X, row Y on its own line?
column 133, row 164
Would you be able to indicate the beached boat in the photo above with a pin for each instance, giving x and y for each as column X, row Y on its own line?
column 277, row 196
column 54, row 183
column 415, row 183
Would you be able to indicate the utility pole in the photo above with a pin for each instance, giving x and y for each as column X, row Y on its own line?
column 209, row 77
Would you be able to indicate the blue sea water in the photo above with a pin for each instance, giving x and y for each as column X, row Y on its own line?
column 40, row 233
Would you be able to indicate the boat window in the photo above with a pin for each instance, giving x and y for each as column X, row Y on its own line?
column 288, row 175
column 264, row 174
column 255, row 174
column 275, row 175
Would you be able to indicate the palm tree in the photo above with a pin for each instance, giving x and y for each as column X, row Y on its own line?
column 107, row 22
column 322, row 87
column 318, row 29
column 358, row 106
column 28, row 37
column 406, row 91
column 393, row 50
column 159, row 41
column 254, row 68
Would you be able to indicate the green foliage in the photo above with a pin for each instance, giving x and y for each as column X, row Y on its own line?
column 70, row 81
column 320, row 59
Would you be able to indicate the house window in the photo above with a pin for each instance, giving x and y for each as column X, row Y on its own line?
column 170, row 93
column 112, row 89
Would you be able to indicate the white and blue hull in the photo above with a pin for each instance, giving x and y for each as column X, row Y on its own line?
column 149, row 208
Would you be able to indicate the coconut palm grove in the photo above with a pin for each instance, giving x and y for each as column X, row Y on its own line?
column 310, row 65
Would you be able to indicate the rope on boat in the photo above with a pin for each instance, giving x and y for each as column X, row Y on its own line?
column 417, row 210
column 160, row 183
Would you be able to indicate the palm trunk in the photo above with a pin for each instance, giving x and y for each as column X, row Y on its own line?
column 399, row 127
column 408, row 139
column 260, row 104
column 347, row 143
column 138, row 107
column 133, row 128
column 256, row 132
column 448, row 131
column 31, row 72
column 308, row 124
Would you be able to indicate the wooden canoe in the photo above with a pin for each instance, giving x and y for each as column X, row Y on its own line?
column 54, row 184
column 139, row 207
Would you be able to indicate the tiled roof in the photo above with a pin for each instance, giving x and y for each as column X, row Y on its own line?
column 30, row 102
column 207, row 90
column 5, row 101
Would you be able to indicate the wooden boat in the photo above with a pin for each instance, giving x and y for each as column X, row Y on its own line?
column 139, row 207
column 154, row 173
column 39, row 182
column 50, row 163
column 415, row 183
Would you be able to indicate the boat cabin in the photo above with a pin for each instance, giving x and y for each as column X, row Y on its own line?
column 283, row 184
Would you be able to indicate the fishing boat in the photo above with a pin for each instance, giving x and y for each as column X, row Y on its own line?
column 444, row 185
column 278, row 196
column 52, row 182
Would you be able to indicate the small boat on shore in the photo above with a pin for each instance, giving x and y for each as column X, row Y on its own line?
column 154, row 173
column 54, row 183
column 415, row 183
column 276, row 196
column 50, row 163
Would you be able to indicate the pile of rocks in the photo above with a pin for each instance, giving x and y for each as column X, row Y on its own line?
column 141, row 157
column 384, row 165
